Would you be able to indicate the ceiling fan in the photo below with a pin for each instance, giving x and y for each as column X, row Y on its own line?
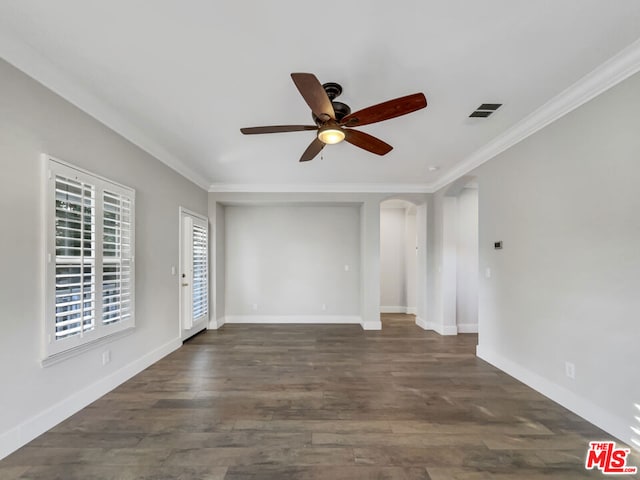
column 334, row 120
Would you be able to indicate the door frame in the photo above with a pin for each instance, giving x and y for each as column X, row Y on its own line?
column 182, row 212
column 421, row 204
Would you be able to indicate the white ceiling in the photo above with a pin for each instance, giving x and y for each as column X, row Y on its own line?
column 180, row 78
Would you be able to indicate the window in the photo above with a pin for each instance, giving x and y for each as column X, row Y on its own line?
column 89, row 225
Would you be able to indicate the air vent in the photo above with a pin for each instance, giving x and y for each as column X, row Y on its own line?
column 484, row 110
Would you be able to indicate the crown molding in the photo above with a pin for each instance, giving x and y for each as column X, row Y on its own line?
column 607, row 75
column 319, row 188
column 28, row 60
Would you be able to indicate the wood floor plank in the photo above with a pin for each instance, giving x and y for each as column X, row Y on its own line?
column 12, row 472
column 327, row 472
column 316, row 402
column 100, row 472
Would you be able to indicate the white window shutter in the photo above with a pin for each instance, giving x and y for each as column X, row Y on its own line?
column 200, row 274
column 75, row 254
column 116, row 258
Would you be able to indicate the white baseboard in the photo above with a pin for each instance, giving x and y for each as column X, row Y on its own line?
column 371, row 325
column 216, row 324
column 467, row 328
column 22, row 434
column 611, row 424
column 292, row 319
column 442, row 329
column 398, row 309
column 445, row 329
column 389, row 309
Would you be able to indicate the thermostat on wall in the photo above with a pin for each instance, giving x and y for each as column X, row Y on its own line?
column 497, row 245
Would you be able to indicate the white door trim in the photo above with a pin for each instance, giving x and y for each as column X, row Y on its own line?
column 184, row 333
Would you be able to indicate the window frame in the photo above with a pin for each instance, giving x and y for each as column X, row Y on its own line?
column 55, row 349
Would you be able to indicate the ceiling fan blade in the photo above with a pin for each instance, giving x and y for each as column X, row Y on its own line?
column 366, row 141
column 386, row 110
column 277, row 129
column 312, row 150
column 314, row 94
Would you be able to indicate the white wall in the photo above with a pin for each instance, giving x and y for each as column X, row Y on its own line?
column 218, row 254
column 291, row 260
column 398, row 257
column 393, row 264
column 434, row 260
column 565, row 286
column 443, row 269
column 368, row 226
column 454, row 268
column 33, row 120
column 411, row 256
column 467, row 261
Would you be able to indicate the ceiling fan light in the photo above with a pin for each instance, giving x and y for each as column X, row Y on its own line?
column 331, row 135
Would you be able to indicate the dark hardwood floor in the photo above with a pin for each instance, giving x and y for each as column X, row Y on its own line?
column 316, row 402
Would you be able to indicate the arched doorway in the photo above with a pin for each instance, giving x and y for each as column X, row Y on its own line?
column 403, row 240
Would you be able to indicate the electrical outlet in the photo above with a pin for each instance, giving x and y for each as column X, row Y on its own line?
column 324, row 307
column 106, row 357
column 254, row 306
column 487, row 272
column 346, row 268
column 570, row 370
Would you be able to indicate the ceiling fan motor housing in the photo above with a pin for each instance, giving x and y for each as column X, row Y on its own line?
column 341, row 110
column 333, row 90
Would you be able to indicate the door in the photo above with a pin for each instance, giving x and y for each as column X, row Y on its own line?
column 194, row 273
